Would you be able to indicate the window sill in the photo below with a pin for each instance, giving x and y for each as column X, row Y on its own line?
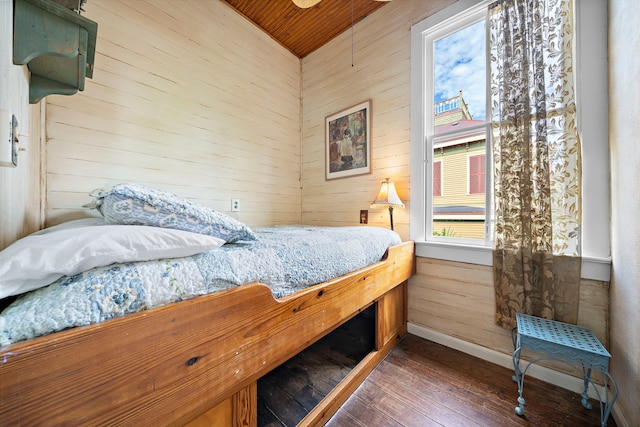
column 592, row 268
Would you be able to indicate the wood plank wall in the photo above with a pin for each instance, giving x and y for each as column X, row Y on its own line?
column 20, row 188
column 20, row 201
column 457, row 299
column 380, row 72
column 188, row 97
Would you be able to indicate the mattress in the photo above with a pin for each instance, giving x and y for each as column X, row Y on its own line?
column 286, row 258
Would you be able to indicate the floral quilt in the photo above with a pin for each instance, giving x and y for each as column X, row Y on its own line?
column 286, row 258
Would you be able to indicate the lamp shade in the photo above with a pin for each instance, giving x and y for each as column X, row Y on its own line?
column 387, row 197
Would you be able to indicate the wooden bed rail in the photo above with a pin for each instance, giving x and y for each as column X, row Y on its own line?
column 170, row 364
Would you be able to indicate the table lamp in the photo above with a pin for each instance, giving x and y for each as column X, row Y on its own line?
column 387, row 198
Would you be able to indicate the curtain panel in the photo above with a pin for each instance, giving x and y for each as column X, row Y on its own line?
column 536, row 154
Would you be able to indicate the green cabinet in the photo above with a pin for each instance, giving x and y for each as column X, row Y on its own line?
column 57, row 44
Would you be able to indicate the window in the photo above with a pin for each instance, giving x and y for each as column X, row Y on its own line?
column 591, row 89
column 455, row 130
column 477, row 174
column 437, row 178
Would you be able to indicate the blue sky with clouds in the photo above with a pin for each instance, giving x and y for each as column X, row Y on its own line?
column 460, row 64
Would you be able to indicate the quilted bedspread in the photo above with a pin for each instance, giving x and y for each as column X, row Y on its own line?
column 286, row 258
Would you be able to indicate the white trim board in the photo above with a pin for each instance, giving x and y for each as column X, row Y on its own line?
column 550, row 376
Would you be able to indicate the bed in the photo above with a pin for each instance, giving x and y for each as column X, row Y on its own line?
column 195, row 356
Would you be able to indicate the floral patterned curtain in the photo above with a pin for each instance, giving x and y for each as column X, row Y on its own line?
column 536, row 153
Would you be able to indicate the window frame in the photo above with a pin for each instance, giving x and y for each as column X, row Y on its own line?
column 441, row 27
column 592, row 120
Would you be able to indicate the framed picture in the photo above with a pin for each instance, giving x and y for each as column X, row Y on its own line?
column 348, row 142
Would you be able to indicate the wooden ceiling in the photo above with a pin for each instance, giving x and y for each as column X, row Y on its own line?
column 304, row 30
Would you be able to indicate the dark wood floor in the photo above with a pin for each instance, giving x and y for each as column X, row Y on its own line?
column 421, row 383
column 289, row 392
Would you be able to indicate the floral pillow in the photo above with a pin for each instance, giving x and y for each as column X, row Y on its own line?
column 135, row 204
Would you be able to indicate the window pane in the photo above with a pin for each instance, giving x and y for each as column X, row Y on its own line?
column 459, row 142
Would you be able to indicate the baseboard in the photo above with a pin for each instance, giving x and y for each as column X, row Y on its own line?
column 621, row 419
column 550, row 376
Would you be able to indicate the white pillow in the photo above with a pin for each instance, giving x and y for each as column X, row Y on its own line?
column 70, row 248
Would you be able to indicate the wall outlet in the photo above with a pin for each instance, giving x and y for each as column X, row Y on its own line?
column 364, row 216
column 235, row 205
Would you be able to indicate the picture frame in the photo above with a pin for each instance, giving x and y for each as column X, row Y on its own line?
column 348, row 142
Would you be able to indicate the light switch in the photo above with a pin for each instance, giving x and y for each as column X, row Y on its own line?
column 8, row 139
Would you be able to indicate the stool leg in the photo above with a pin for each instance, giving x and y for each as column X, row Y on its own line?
column 518, row 378
column 520, row 407
column 585, row 395
column 516, row 355
column 608, row 403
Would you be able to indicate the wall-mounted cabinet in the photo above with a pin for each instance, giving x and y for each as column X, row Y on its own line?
column 57, row 44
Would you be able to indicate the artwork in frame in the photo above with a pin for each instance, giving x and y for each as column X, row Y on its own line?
column 348, row 142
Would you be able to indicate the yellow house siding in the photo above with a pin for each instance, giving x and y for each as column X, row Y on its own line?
column 467, row 229
column 455, row 191
column 455, row 176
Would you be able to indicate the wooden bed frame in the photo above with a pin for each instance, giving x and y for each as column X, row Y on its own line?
column 197, row 362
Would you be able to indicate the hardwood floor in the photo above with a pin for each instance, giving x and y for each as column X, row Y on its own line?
column 289, row 392
column 421, row 383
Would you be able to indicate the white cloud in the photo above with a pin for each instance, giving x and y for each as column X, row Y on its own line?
column 460, row 63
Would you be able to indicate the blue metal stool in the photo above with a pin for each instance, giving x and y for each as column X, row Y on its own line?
column 571, row 344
